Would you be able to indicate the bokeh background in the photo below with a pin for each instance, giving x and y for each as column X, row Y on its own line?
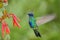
column 49, row 31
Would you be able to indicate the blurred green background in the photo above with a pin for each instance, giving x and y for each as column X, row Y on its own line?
column 49, row 31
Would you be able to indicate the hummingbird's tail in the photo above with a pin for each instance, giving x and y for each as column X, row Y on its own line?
column 37, row 33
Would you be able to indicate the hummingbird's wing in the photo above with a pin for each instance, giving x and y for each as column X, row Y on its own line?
column 45, row 19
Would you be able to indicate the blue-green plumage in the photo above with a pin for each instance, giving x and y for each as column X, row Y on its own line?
column 33, row 25
column 32, row 22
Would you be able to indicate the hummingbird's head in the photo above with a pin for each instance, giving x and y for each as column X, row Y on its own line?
column 30, row 14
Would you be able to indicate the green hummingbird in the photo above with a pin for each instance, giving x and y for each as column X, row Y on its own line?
column 35, row 22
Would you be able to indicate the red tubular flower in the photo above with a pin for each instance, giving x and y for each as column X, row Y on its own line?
column 14, row 16
column 5, row 27
column 15, row 21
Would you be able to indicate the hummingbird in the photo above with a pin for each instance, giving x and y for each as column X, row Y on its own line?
column 35, row 22
column 33, row 25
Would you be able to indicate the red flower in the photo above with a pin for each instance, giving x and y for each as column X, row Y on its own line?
column 5, row 28
column 15, row 20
